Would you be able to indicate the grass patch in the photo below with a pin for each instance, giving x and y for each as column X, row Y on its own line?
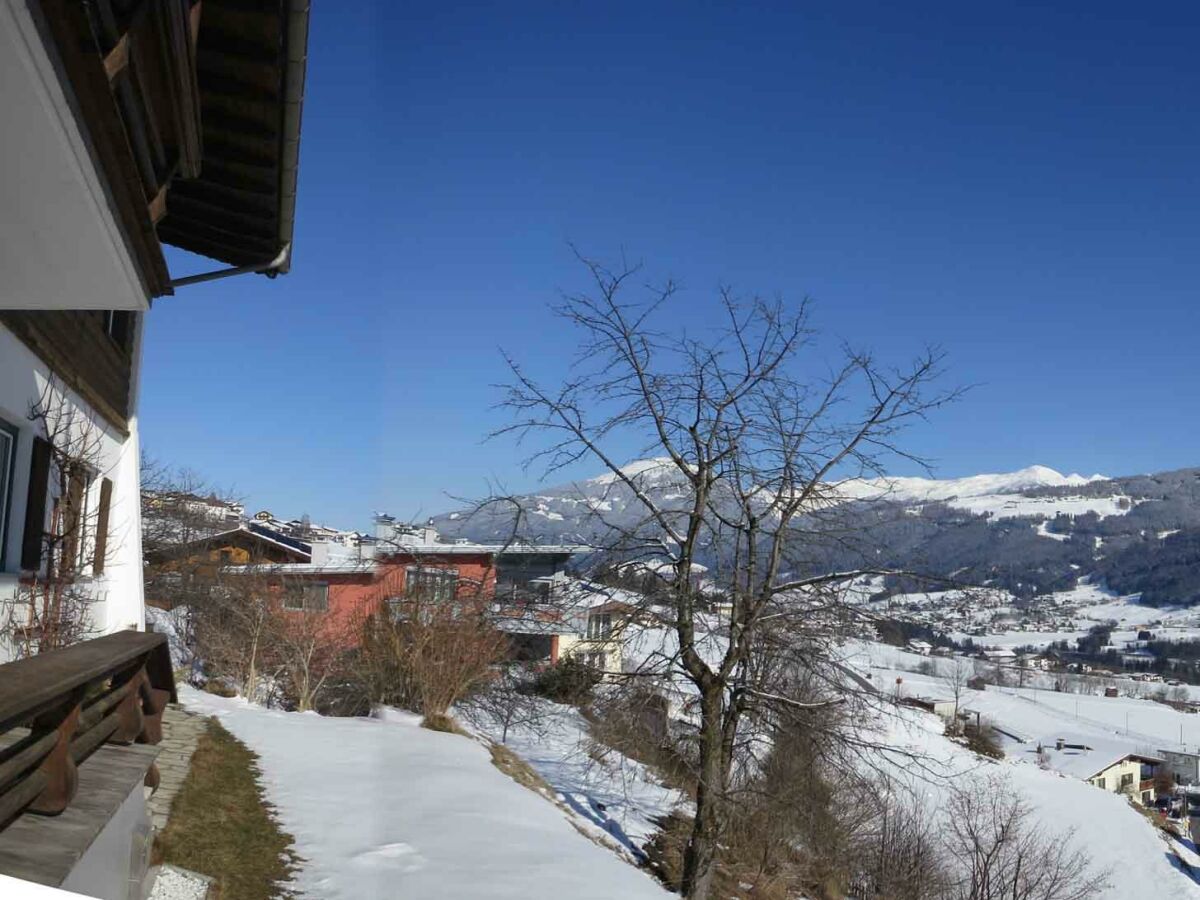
column 444, row 723
column 520, row 771
column 220, row 824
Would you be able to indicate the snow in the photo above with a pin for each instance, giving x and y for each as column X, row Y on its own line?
column 615, row 797
column 1045, row 532
column 1011, row 506
column 934, row 489
column 381, row 807
column 1102, row 823
column 658, row 468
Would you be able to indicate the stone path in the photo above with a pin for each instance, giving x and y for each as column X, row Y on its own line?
column 181, row 731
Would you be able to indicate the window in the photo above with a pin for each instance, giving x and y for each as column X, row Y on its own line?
column 438, row 585
column 595, row 659
column 118, row 325
column 70, row 514
column 1101, row 783
column 8, row 454
column 1127, row 779
column 599, row 626
column 307, row 597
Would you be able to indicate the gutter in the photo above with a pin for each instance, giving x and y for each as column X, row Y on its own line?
column 296, row 49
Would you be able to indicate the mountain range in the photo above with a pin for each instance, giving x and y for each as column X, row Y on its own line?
column 1029, row 532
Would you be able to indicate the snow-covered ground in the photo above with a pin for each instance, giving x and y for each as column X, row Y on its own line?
column 1104, row 824
column 384, row 808
column 615, row 797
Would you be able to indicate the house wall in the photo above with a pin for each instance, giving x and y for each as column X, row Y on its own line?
column 1184, row 766
column 1113, row 774
column 353, row 596
column 118, row 591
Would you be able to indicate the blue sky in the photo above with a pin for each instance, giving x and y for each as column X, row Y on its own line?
column 1017, row 185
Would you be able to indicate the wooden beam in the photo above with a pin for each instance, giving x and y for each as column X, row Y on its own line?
column 158, row 206
column 117, row 59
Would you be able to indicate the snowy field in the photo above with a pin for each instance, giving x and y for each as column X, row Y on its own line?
column 384, row 808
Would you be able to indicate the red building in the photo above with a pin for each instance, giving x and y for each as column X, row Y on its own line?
column 418, row 564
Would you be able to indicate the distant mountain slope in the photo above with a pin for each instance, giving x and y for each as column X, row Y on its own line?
column 1027, row 531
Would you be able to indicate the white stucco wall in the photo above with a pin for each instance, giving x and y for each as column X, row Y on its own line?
column 114, row 866
column 23, row 377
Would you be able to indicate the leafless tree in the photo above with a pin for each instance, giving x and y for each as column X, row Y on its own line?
column 1002, row 854
column 53, row 608
column 425, row 652
column 506, row 702
column 758, row 445
column 956, row 677
column 235, row 627
column 308, row 642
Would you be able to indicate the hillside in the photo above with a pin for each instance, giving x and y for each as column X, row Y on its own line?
column 1028, row 532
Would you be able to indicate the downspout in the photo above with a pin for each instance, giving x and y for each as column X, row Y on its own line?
column 270, row 269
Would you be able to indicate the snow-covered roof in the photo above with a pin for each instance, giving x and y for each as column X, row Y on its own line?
column 1086, row 756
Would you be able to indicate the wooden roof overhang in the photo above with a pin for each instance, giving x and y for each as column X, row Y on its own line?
column 193, row 110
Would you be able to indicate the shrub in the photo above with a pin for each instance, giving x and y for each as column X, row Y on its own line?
column 570, row 680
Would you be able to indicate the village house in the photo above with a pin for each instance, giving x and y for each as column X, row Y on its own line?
column 598, row 637
column 1182, row 763
column 1110, row 765
column 126, row 128
column 516, row 582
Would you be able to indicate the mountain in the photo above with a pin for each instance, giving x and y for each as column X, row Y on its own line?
column 1028, row 531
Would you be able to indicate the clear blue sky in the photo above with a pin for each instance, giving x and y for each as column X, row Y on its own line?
column 1019, row 186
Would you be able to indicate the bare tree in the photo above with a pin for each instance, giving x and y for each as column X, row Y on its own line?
column 1002, row 855
column 506, row 702
column 53, row 608
column 956, row 678
column 426, row 652
column 308, row 642
column 757, row 446
column 235, row 627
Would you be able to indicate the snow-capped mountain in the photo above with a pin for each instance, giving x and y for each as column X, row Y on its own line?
column 931, row 489
column 1030, row 529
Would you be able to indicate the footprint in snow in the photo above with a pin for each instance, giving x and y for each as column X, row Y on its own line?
column 399, row 857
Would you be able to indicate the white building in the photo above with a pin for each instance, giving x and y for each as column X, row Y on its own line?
column 91, row 189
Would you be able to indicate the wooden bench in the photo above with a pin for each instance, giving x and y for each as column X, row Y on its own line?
column 68, row 721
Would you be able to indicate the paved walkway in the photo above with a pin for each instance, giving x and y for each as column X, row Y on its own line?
column 181, row 731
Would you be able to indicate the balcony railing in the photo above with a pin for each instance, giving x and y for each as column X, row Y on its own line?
column 58, row 708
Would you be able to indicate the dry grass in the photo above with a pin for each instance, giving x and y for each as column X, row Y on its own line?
column 220, row 824
column 442, row 722
column 520, row 771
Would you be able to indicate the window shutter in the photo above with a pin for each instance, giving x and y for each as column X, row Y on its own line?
column 102, row 527
column 35, row 506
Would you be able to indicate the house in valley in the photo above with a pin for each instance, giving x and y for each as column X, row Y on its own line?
column 1110, row 765
column 599, row 638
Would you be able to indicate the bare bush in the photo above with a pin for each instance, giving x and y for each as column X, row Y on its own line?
column 427, row 654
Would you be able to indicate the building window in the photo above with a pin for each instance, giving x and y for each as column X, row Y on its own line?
column 599, row 627
column 307, row 597
column 438, row 585
column 595, row 659
column 8, row 454
column 1101, row 783
column 72, row 516
column 118, row 325
column 1127, row 779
